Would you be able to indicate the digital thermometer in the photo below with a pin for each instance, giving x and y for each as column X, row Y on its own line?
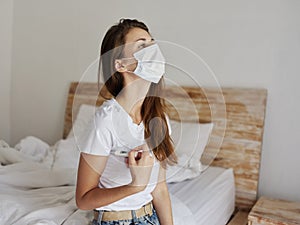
column 121, row 151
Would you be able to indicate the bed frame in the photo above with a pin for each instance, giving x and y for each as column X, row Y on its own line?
column 239, row 133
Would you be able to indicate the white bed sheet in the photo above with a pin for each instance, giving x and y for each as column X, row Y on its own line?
column 210, row 197
column 36, row 193
column 32, row 193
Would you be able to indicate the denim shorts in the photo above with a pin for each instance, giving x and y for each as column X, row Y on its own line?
column 144, row 220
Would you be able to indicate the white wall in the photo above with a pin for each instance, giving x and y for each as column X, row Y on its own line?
column 45, row 60
column 6, row 23
column 246, row 43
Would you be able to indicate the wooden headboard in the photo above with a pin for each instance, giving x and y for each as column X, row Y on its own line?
column 236, row 139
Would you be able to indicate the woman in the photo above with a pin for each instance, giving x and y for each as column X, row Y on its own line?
column 131, row 189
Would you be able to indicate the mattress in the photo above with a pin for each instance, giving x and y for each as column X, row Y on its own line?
column 30, row 193
column 210, row 197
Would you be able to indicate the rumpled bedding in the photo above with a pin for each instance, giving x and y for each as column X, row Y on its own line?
column 35, row 190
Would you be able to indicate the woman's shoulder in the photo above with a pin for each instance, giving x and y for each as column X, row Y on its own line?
column 104, row 112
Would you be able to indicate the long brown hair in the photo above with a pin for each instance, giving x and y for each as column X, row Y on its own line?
column 153, row 105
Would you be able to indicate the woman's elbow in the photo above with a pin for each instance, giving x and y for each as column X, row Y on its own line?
column 81, row 203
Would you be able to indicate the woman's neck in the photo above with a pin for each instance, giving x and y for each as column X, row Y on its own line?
column 132, row 96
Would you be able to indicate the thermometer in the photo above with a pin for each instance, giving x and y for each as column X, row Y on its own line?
column 121, row 151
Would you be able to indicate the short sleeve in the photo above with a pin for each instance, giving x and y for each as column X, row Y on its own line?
column 97, row 138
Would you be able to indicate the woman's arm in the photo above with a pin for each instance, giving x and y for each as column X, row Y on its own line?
column 90, row 196
column 161, row 200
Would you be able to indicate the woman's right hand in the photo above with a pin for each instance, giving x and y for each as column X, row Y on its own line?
column 140, row 162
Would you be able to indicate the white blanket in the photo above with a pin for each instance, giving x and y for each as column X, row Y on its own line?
column 33, row 193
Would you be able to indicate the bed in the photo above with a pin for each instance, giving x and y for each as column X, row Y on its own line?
column 40, row 190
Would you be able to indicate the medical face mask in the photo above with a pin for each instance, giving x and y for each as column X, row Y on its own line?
column 150, row 63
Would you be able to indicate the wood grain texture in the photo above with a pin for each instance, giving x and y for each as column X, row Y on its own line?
column 240, row 218
column 274, row 211
column 238, row 115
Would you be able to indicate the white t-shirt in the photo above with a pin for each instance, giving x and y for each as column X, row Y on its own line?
column 110, row 129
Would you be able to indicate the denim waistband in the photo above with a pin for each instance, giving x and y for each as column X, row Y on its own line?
column 103, row 215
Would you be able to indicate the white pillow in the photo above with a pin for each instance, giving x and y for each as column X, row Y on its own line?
column 190, row 140
column 83, row 117
column 66, row 154
column 66, row 151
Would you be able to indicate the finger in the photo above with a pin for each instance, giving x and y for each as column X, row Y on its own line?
column 126, row 161
column 131, row 157
column 138, row 156
column 145, row 158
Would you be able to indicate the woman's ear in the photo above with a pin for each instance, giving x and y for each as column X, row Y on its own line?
column 119, row 66
column 125, row 64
